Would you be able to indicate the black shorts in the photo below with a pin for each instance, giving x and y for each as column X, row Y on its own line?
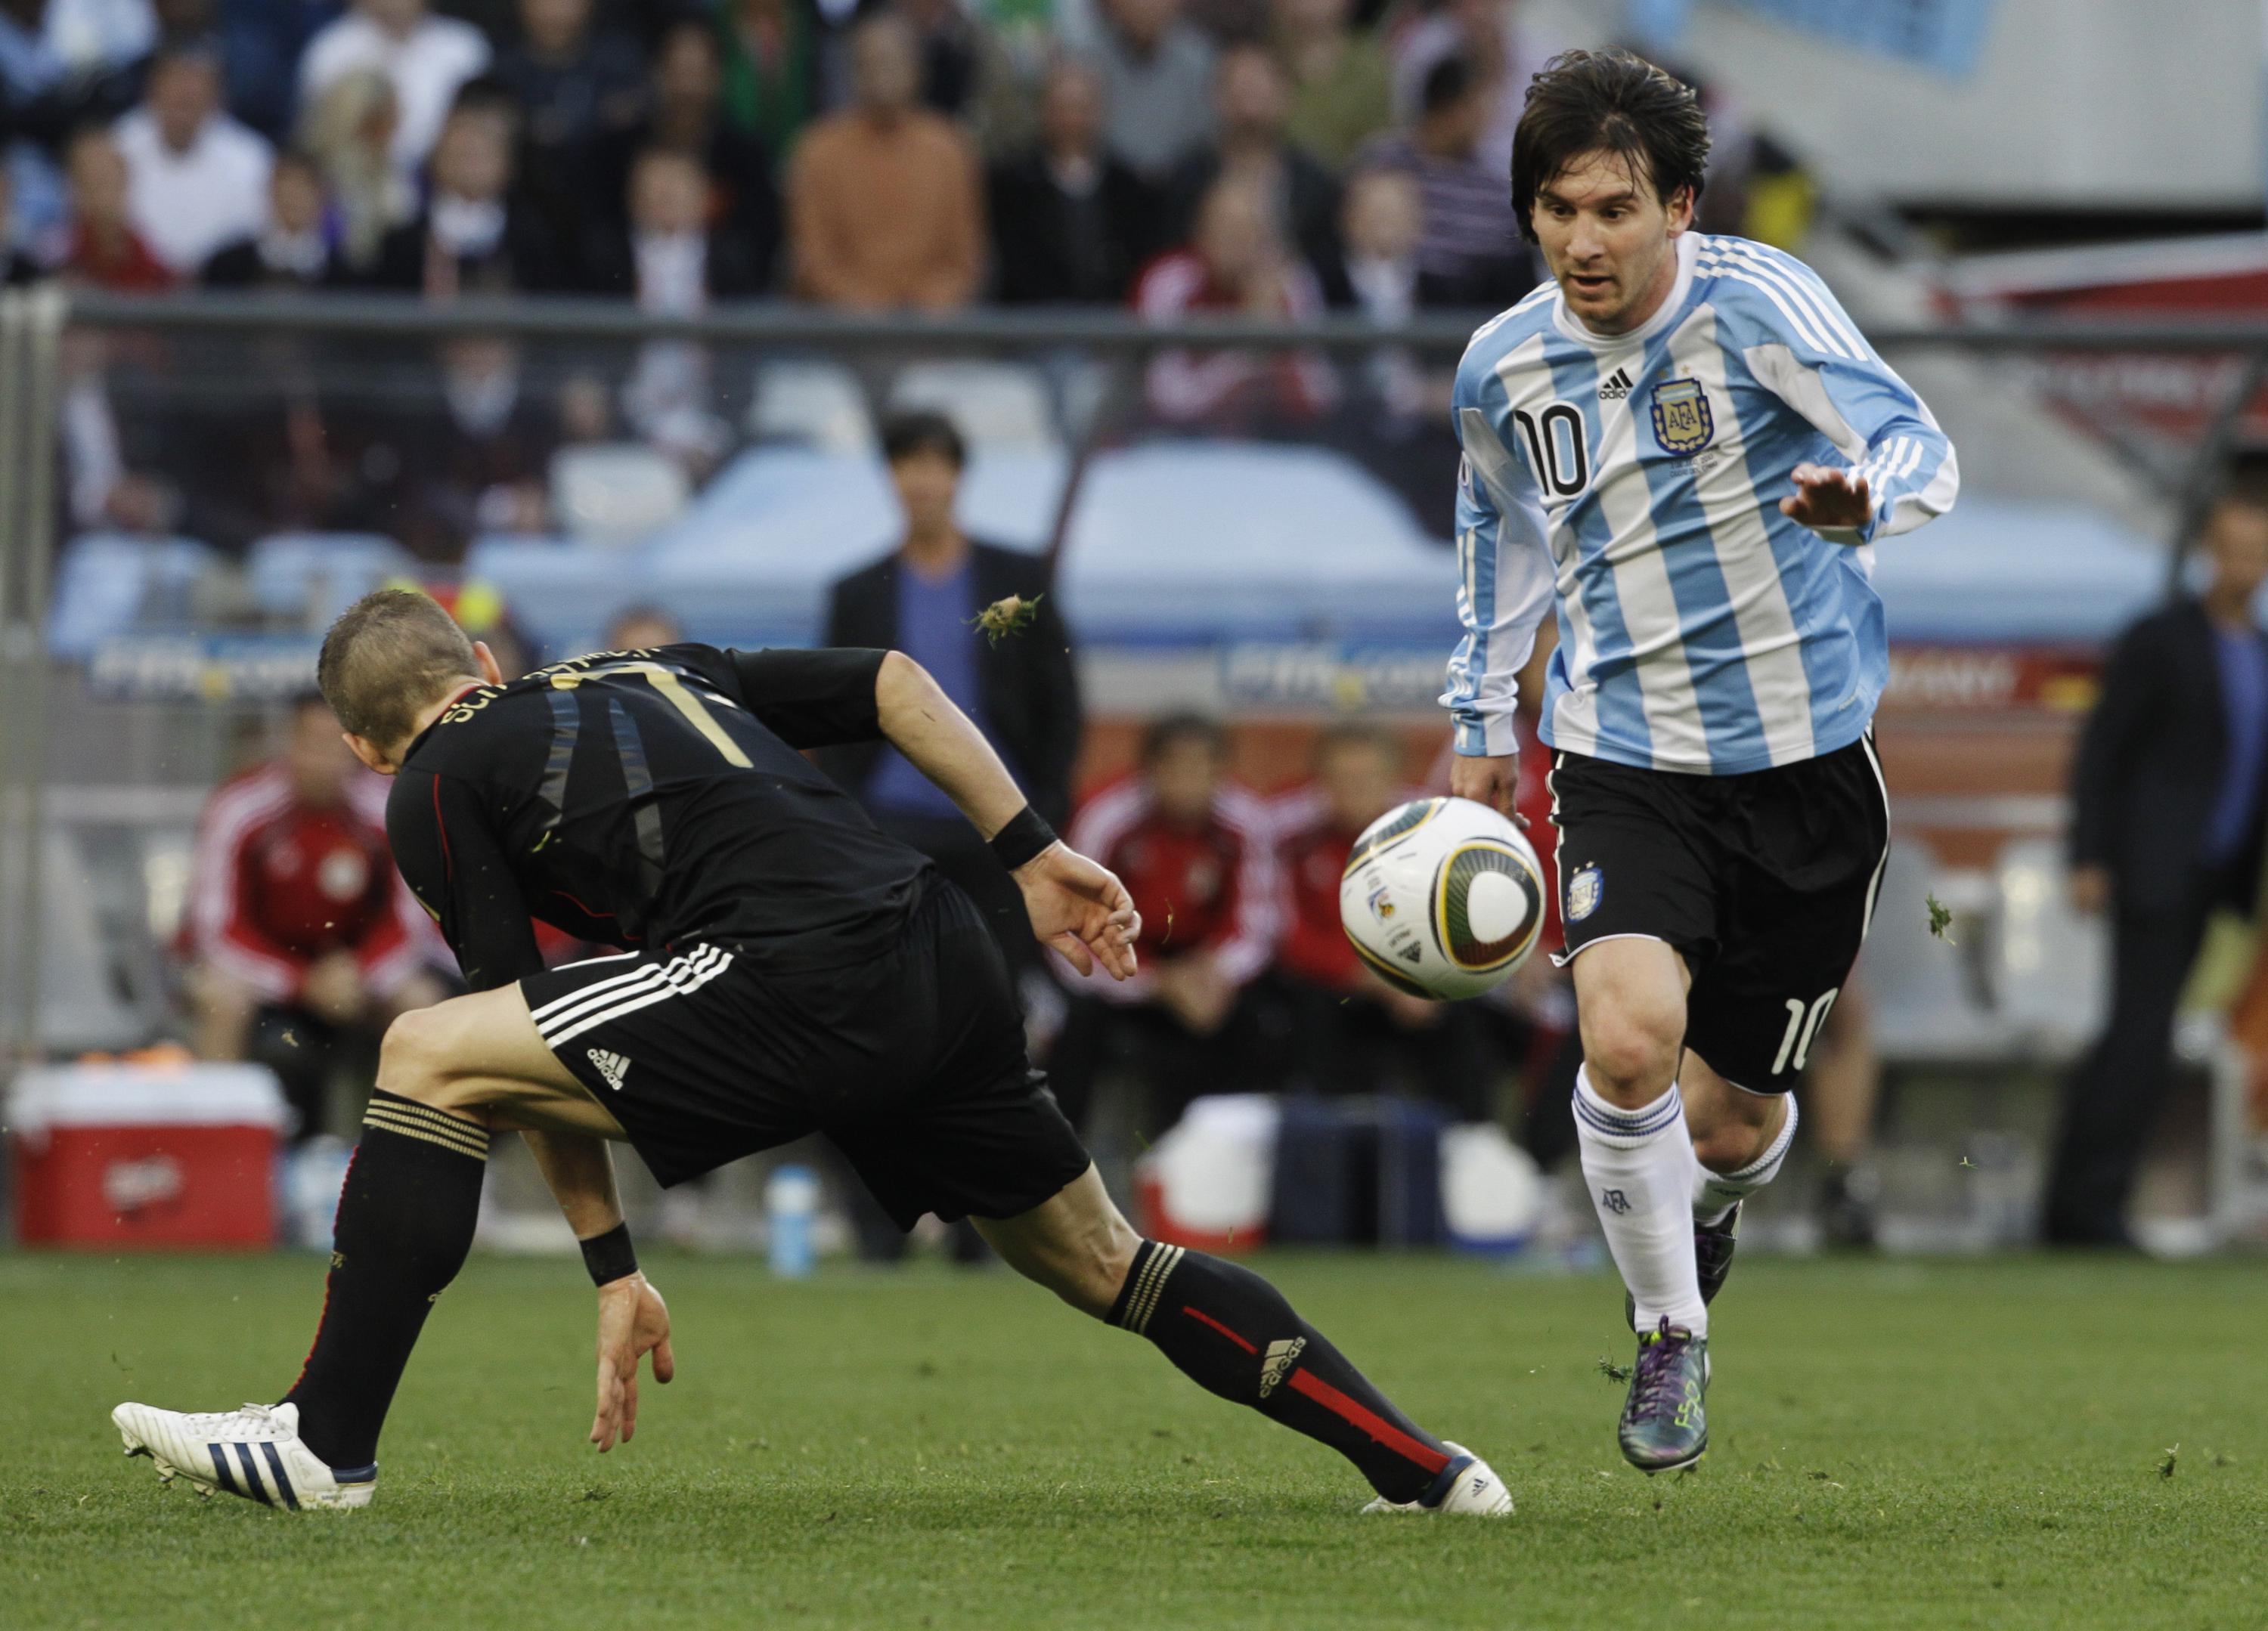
column 912, row 1063
column 1765, row 883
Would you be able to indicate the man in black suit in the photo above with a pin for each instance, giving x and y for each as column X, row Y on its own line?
column 1021, row 687
column 1019, row 684
column 2168, row 806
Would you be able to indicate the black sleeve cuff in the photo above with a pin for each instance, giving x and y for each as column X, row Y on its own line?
column 1025, row 836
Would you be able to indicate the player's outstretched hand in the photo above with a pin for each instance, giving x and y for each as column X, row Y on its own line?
column 1080, row 909
column 1826, row 496
column 1493, row 781
column 633, row 1322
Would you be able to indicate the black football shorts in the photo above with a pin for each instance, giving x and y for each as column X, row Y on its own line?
column 912, row 1063
column 1765, row 883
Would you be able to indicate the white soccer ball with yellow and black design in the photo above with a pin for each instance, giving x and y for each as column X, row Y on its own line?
column 1443, row 898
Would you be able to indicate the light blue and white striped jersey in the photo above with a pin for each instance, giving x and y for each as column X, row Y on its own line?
column 1636, row 479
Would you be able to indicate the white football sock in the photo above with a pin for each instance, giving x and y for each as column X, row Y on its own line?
column 1715, row 1194
column 1641, row 1167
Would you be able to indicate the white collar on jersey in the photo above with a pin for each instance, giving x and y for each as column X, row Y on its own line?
column 1688, row 251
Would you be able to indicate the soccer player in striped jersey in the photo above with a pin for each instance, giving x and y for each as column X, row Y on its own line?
column 1684, row 446
column 787, row 968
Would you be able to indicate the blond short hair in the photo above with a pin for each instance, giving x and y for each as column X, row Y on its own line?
column 391, row 654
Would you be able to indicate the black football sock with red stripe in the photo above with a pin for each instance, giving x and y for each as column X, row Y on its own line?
column 1233, row 1334
column 405, row 1223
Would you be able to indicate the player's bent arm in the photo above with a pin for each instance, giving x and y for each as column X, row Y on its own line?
column 1823, row 369
column 633, row 1321
column 579, row 1170
column 1076, row 906
column 923, row 722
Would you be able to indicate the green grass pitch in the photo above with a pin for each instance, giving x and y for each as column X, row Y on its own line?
column 1894, row 1445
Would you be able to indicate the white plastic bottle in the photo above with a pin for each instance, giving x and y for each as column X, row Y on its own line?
column 790, row 1207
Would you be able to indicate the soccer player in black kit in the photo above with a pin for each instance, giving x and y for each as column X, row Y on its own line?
column 786, row 968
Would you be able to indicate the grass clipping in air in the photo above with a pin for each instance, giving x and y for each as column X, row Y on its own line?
column 1011, row 615
column 1941, row 919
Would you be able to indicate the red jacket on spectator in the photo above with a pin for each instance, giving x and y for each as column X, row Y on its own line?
column 1310, row 856
column 277, row 885
column 1208, row 889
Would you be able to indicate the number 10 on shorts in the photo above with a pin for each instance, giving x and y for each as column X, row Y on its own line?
column 1803, row 1022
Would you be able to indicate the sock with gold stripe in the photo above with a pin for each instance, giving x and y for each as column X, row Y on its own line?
column 405, row 1222
column 1233, row 1334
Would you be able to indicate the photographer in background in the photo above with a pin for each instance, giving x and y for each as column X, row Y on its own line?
column 2166, row 816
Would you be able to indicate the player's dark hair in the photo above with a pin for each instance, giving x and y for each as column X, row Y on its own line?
column 922, row 431
column 1608, row 101
column 391, row 654
column 1169, row 729
column 1447, row 83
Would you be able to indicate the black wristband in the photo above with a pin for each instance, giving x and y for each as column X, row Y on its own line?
column 1024, row 837
column 610, row 1257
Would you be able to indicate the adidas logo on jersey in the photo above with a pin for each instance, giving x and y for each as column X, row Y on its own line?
column 1280, row 1358
column 614, row 1067
column 1616, row 386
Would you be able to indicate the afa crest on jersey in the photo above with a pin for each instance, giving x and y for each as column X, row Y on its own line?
column 1683, row 423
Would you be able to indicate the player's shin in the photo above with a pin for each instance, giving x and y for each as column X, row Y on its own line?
column 405, row 1223
column 1641, row 1167
column 1233, row 1334
column 1715, row 1194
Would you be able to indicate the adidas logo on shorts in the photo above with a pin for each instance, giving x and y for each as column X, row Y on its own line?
column 614, row 1067
column 1278, row 1364
column 1616, row 386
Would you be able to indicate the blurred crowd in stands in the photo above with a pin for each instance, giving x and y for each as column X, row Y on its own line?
column 1276, row 158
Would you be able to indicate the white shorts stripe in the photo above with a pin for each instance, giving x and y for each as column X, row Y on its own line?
column 1874, row 888
column 677, row 987
column 600, row 996
column 541, row 1014
column 607, row 992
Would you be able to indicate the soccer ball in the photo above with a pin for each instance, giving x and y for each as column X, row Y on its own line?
column 1442, row 897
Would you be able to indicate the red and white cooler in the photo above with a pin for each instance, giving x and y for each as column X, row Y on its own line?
column 162, row 1156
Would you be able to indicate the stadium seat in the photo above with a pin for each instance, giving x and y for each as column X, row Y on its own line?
column 995, row 405
column 1190, row 542
column 107, row 584
column 819, row 404
column 1925, row 1012
column 616, row 493
column 308, row 578
column 2050, row 974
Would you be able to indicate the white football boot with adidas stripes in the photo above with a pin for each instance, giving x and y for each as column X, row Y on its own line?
column 255, row 1452
column 1470, row 1488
